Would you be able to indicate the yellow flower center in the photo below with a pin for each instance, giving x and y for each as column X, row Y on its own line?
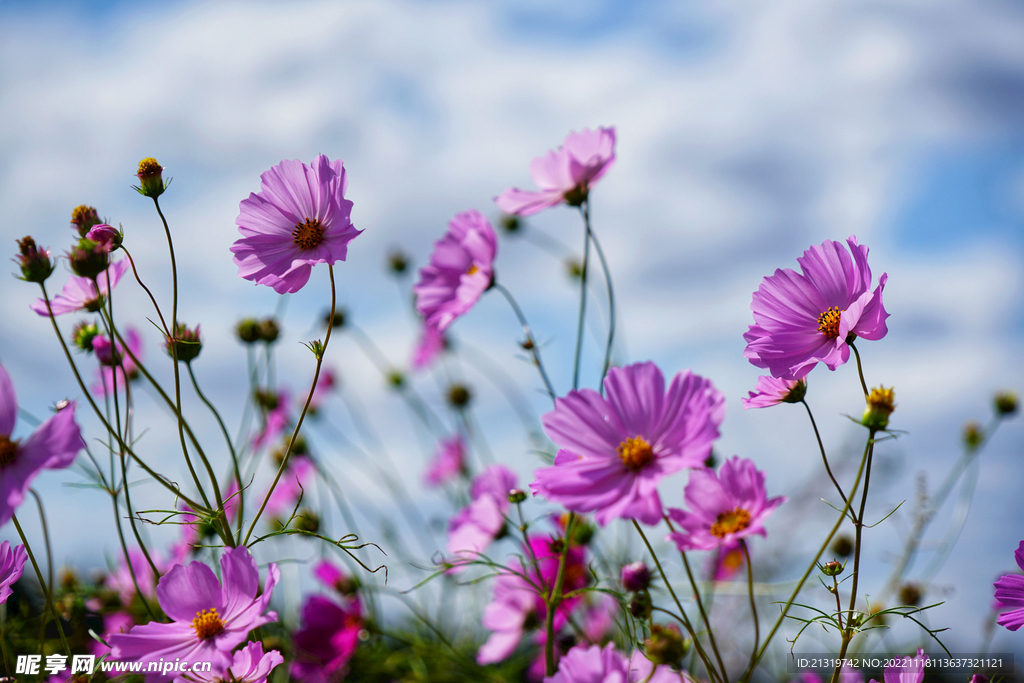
column 207, row 624
column 730, row 522
column 732, row 560
column 8, row 450
column 472, row 269
column 308, row 234
column 828, row 322
column 883, row 400
column 636, row 453
column 149, row 167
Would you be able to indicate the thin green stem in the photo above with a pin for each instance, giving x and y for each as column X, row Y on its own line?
column 3, row 647
column 753, row 604
column 860, row 370
column 131, row 261
column 46, row 537
column 42, row 584
column 821, row 447
column 611, row 298
column 530, row 343
column 585, row 210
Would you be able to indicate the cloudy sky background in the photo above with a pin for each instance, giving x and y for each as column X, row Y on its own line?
column 746, row 133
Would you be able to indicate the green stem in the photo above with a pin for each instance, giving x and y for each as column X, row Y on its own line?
column 585, row 210
column 42, row 584
column 554, row 599
column 3, row 647
column 611, row 298
column 530, row 341
column 860, row 370
column 821, row 447
column 753, row 604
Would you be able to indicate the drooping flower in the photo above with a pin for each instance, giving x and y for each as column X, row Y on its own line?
column 12, row 564
column 595, row 664
column 909, row 670
column 117, row 368
column 724, row 508
column 52, row 446
column 565, row 174
column 801, row 319
column 249, row 665
column 460, row 270
column 449, row 462
column 615, row 449
column 430, row 345
column 1010, row 592
column 299, row 218
column 81, row 294
column 772, row 391
column 208, row 619
column 327, row 639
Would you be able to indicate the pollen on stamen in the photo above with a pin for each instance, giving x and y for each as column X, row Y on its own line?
column 207, row 623
column 8, row 450
column 308, row 234
column 730, row 522
column 828, row 322
column 473, row 269
column 636, row 453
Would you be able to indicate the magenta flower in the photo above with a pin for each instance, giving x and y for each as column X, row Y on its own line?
column 52, row 446
column 430, row 345
column 565, row 174
column 333, row 577
column 460, row 270
column 118, row 622
column 615, row 449
column 1010, row 592
column 209, row 620
column 299, row 218
column 726, row 561
column 725, row 508
column 635, row 577
column 449, row 462
column 800, row 319
column 81, row 294
column 607, row 665
column 105, row 235
column 249, row 665
column 327, row 639
column 294, row 481
column 477, row 525
column 275, row 420
column 12, row 564
column 771, row 391
column 910, row 670
column 121, row 582
column 116, row 367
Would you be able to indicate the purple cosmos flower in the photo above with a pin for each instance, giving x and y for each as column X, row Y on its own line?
column 249, row 665
column 636, row 576
column 475, row 526
column 430, row 345
column 615, row 449
column 52, row 446
column 120, row 579
column 275, row 420
column 725, row 508
column 209, row 620
column 299, row 218
column 1010, row 592
column 326, row 640
column 771, row 391
column 607, row 665
column 294, row 481
column 449, row 462
column 115, row 363
column 800, row 319
column 118, row 622
column 565, row 174
column 726, row 561
column 910, row 670
column 12, row 564
column 80, row 292
column 460, row 270
column 330, row 575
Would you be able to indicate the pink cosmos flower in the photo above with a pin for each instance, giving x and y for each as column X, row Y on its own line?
column 115, row 363
column 599, row 618
column 331, row 576
column 12, row 564
column 299, row 218
column 772, row 391
column 565, row 174
column 209, row 619
column 80, row 292
column 475, row 526
column 460, row 270
column 910, row 670
column 449, row 462
column 249, row 665
column 327, row 639
column 118, row 622
column 607, row 665
column 726, row 507
column 294, row 481
column 800, row 319
column 120, row 580
column 1010, row 592
column 726, row 561
column 430, row 345
column 275, row 420
column 615, row 449
column 52, row 446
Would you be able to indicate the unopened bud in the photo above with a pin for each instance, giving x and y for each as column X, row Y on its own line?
column 265, row 399
column 636, row 577
column 511, row 223
column 640, row 606
column 186, row 344
column 151, row 181
column 880, row 404
column 35, row 263
column 459, row 396
column 666, row 645
column 527, row 344
column 396, row 379
column 842, row 546
column 338, row 320
column 105, row 235
column 398, row 262
column 1006, row 403
column 516, row 496
column 269, row 330
column 248, row 330
column 973, row 434
column 83, row 218
column 832, row 568
column 82, row 335
column 910, row 593
column 88, row 259
column 307, row 520
column 574, row 268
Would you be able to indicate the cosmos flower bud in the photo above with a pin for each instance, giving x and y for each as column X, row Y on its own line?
column 1006, row 403
column 83, row 218
column 396, row 379
column 842, row 546
column 832, row 568
column 88, row 259
column 516, row 496
column 574, row 268
column 511, row 223
column 269, row 330
column 459, row 396
column 106, row 353
column 973, row 434
column 666, row 645
column 398, row 262
column 636, row 577
column 640, row 606
column 151, row 181
column 186, row 344
column 307, row 520
column 248, row 330
column 267, row 400
column 881, row 403
column 338, row 320
column 35, row 263
column 83, row 334
column 106, row 235
column 910, row 593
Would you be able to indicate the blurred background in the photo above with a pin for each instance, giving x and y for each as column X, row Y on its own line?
column 746, row 133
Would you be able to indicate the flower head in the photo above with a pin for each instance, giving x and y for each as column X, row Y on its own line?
column 771, row 391
column 565, row 174
column 249, row 664
column 116, row 367
column 430, row 345
column 208, row 619
column 606, row 665
column 801, row 319
column 615, row 449
column 477, row 525
column 33, row 260
column 106, row 236
column 83, row 218
column 12, row 564
column 151, row 181
column 460, row 270
column 326, row 640
column 331, row 576
column 880, row 404
column 81, row 294
column 723, row 508
column 299, row 218
column 1010, row 592
column 636, row 576
column 53, row 445
column 448, row 463
column 909, row 669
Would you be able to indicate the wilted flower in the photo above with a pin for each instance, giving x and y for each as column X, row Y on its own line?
column 1010, row 592
column 12, row 564
column 615, row 449
column 81, row 292
column 801, row 319
column 563, row 175
column 326, row 640
column 299, row 218
column 771, row 391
